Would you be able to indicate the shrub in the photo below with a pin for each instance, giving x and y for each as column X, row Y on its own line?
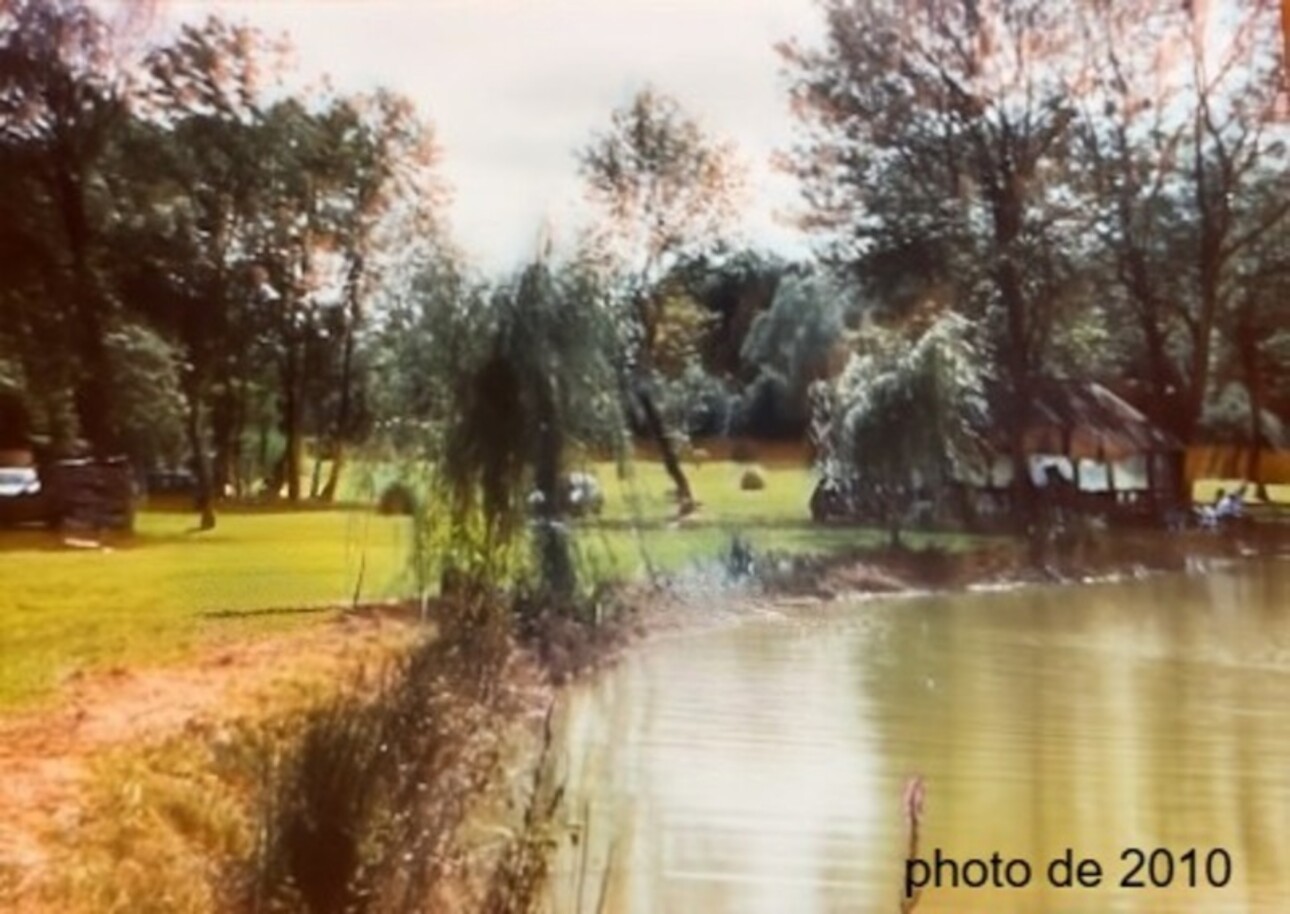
column 397, row 499
column 364, row 813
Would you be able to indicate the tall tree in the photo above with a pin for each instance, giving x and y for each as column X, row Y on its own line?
column 188, row 171
column 62, row 95
column 909, row 414
column 387, row 192
column 1257, row 331
column 1178, row 127
column 665, row 191
column 934, row 159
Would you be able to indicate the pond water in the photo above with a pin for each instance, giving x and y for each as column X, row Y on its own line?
column 759, row 767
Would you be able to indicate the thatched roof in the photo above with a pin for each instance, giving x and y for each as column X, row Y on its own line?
column 1086, row 421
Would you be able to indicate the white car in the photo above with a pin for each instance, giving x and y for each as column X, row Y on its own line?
column 22, row 501
column 17, row 481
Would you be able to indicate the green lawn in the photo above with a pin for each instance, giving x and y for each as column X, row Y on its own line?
column 65, row 609
column 776, row 517
column 646, row 493
column 168, row 590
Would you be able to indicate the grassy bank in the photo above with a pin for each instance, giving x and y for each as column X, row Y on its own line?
column 373, row 792
column 155, row 597
column 227, row 809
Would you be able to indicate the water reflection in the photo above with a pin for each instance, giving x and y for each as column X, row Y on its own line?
column 760, row 768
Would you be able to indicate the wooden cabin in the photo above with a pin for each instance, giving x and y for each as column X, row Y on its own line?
column 1088, row 446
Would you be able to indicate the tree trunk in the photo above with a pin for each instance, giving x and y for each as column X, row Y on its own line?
column 555, row 561
column 328, row 493
column 343, row 413
column 653, row 419
column 1198, row 375
column 1025, row 506
column 1249, row 350
column 222, row 435
column 203, row 502
column 291, row 457
column 1213, row 212
column 894, row 542
column 667, row 449
column 92, row 396
column 315, row 478
column 267, row 473
column 236, row 455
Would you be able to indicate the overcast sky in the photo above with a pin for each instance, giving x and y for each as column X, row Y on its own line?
column 514, row 86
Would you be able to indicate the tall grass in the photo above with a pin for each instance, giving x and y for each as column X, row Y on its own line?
column 364, row 814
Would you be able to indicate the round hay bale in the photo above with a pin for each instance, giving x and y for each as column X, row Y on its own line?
column 752, row 480
column 397, row 499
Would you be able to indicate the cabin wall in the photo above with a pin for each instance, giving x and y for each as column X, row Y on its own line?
column 1127, row 475
column 1232, row 462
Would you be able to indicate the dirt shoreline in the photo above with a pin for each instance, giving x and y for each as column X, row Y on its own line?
column 1103, row 556
column 47, row 753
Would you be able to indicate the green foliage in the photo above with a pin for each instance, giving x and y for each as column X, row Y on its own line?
column 61, row 98
column 681, row 326
column 249, row 227
column 149, row 402
column 907, row 420
column 529, row 376
column 789, row 346
column 427, row 335
column 697, row 404
column 1102, row 215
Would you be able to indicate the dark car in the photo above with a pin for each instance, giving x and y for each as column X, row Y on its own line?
column 171, row 482
column 22, row 499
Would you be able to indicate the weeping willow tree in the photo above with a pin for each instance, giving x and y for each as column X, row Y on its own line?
column 531, row 376
column 908, row 414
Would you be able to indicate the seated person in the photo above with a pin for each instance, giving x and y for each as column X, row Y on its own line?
column 1208, row 514
column 1230, row 505
column 1227, row 506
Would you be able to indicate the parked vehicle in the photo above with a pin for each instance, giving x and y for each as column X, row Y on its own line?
column 22, row 498
column 170, row 482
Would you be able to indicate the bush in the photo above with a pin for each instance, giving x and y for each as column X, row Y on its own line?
column 397, row 499
column 752, row 480
column 364, row 813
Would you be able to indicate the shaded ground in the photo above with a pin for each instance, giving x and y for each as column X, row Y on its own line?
column 45, row 754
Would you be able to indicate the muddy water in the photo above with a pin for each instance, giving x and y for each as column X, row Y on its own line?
column 759, row 767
